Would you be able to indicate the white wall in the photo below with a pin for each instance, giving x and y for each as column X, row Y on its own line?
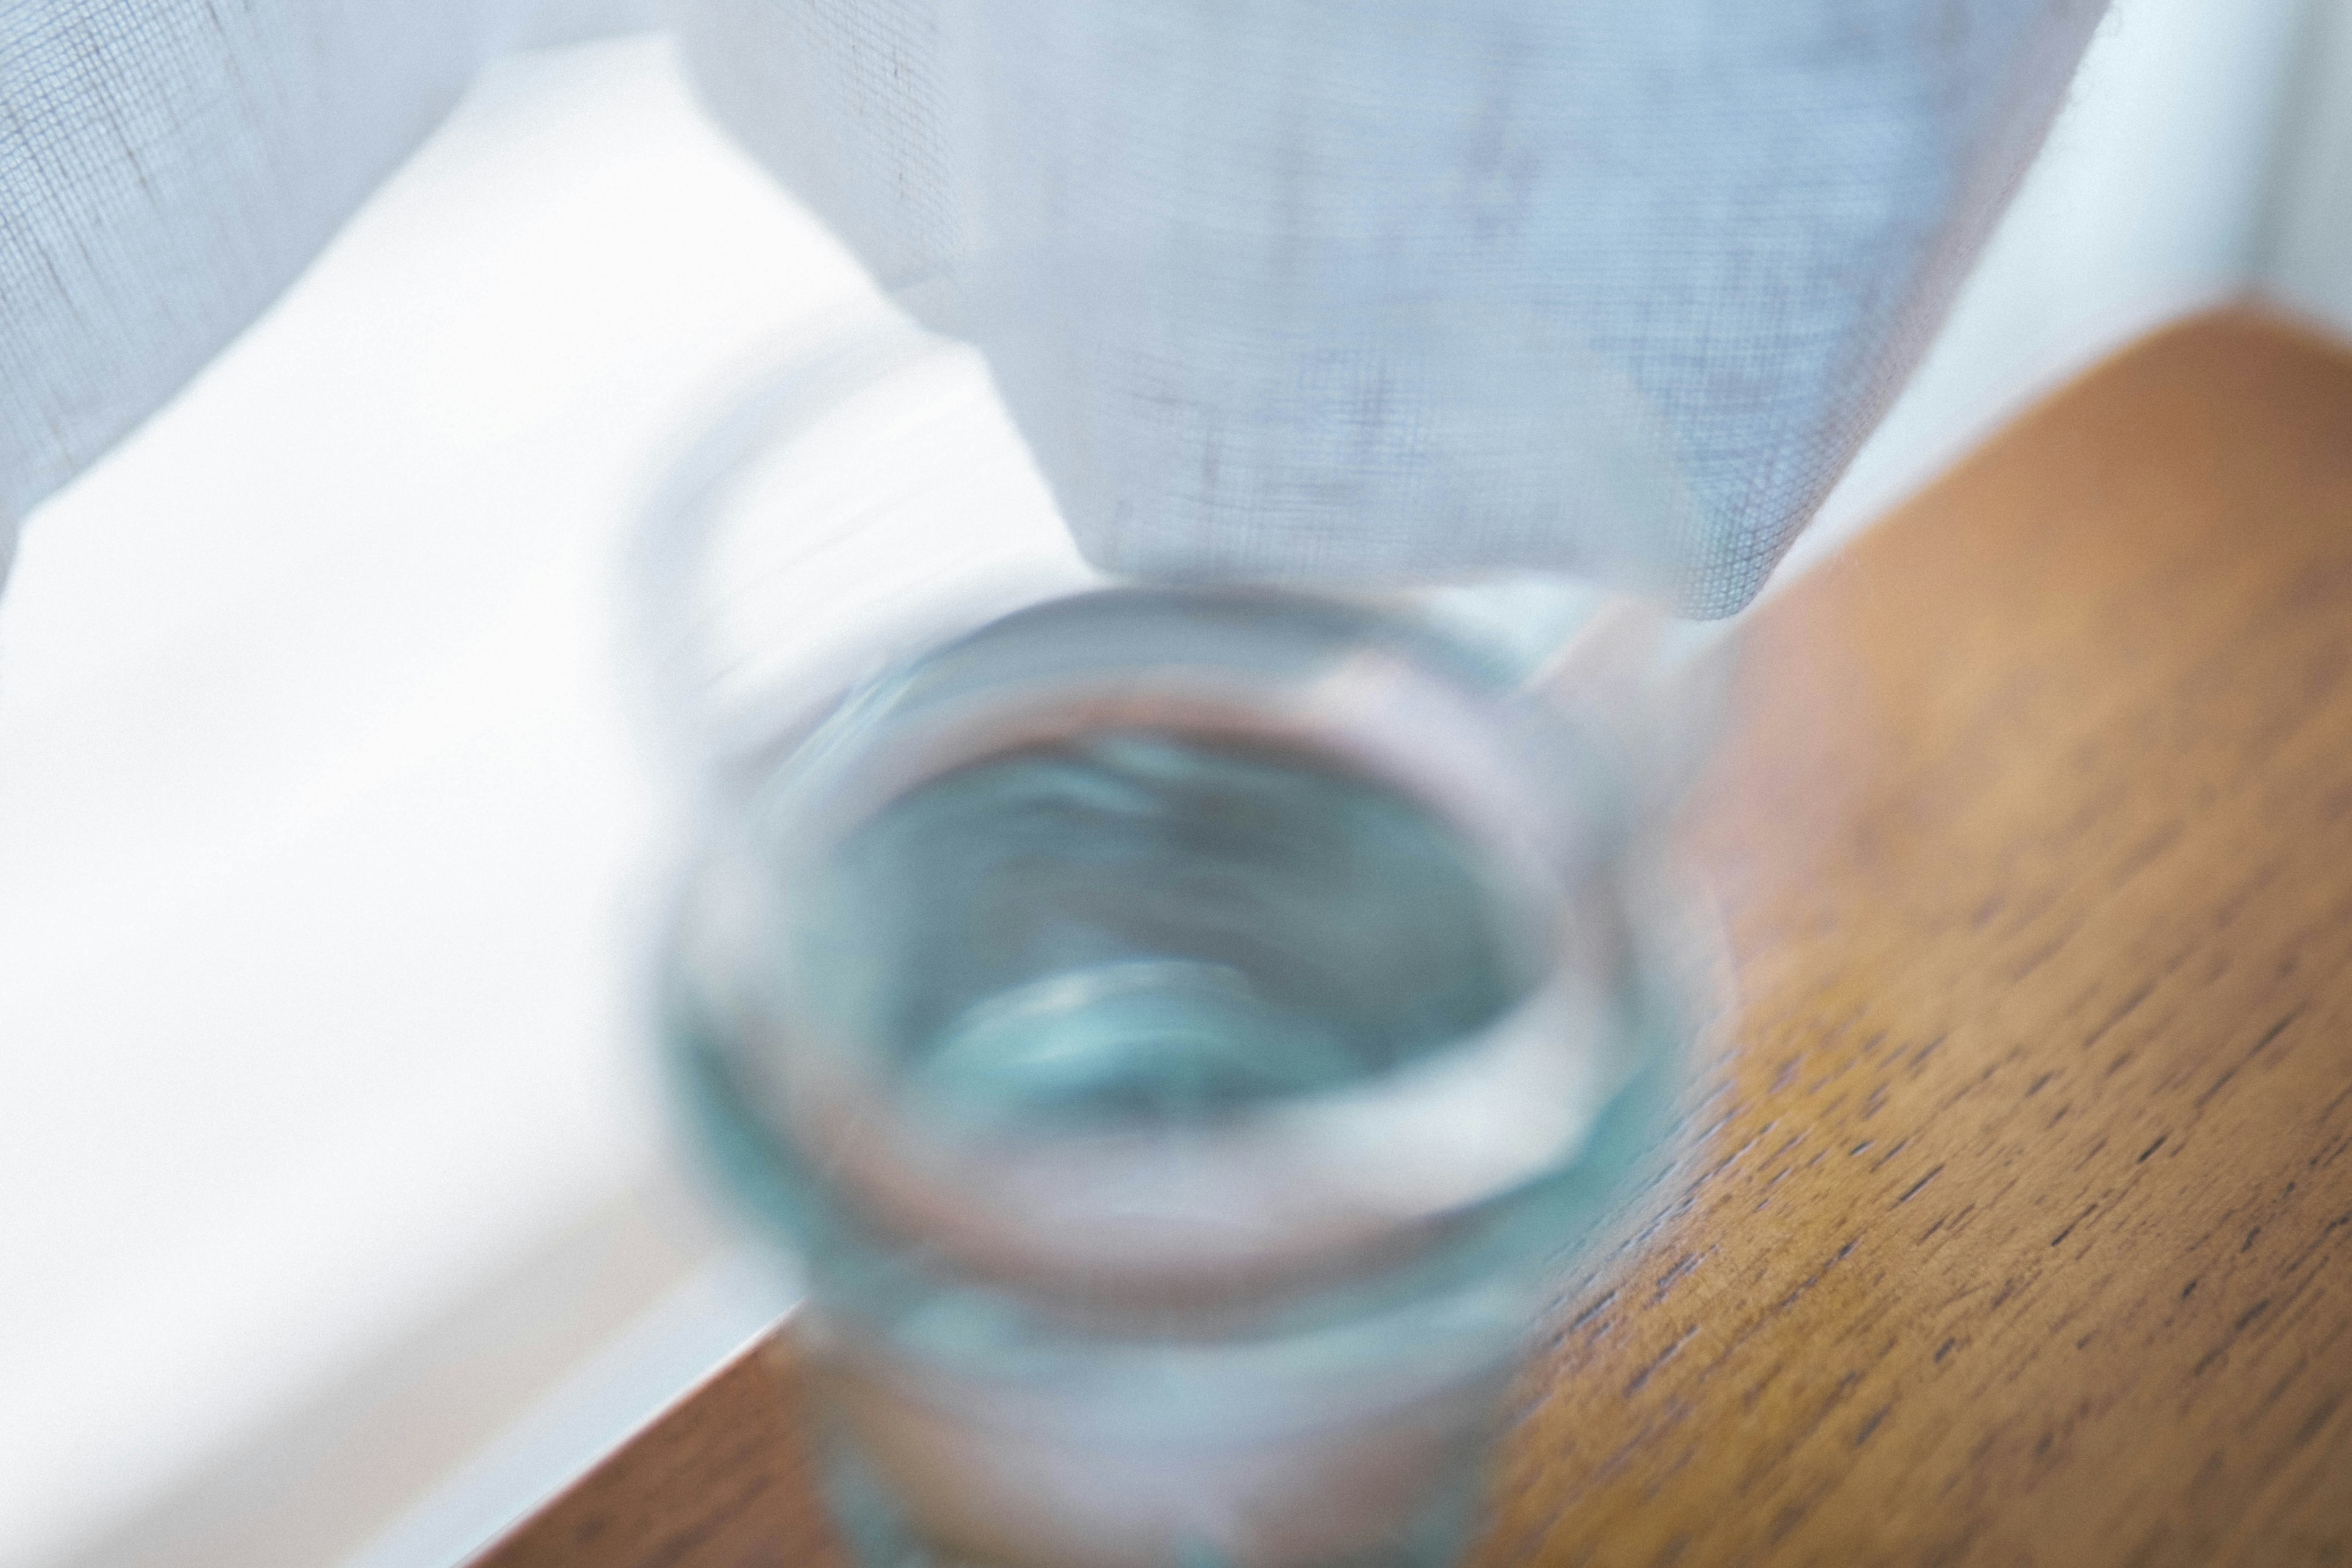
column 320, row 820
column 2305, row 264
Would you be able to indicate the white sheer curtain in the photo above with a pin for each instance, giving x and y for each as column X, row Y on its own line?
column 166, row 169
column 1412, row 289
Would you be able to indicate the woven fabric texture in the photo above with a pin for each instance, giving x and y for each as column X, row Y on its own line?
column 166, row 168
column 1414, row 289
column 1381, row 290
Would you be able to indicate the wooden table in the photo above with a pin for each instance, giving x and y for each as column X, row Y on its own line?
column 2020, row 1229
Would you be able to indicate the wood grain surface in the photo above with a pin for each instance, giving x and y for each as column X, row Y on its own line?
column 2018, row 1227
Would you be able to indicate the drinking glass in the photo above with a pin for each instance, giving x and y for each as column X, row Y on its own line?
column 1181, row 1034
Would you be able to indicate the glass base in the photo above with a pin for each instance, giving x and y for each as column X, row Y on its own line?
column 1434, row 1531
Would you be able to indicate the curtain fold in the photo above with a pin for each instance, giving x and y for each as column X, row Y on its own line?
column 1398, row 289
column 1395, row 289
column 166, row 169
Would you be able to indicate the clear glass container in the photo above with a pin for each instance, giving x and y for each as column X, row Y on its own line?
column 1180, row 1034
